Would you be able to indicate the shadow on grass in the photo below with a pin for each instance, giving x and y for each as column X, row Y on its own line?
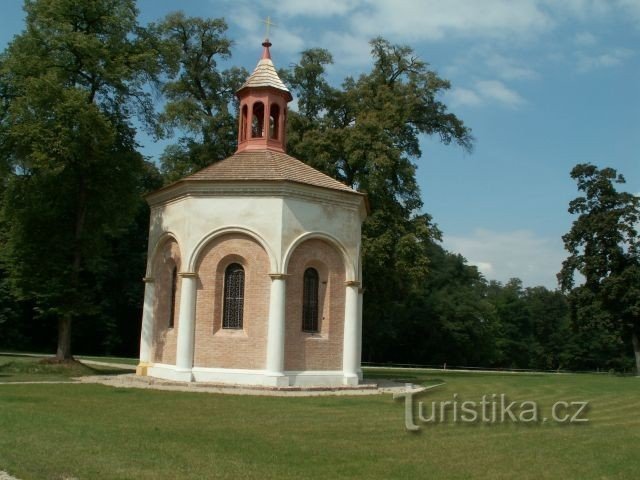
column 26, row 369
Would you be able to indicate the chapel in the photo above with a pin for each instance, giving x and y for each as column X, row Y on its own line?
column 254, row 271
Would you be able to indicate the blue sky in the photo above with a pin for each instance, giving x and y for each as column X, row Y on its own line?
column 544, row 84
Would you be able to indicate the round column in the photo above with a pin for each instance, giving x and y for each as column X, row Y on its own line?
column 275, row 330
column 351, row 346
column 146, row 334
column 186, row 322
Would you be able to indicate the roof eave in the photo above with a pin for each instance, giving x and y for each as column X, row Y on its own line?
column 185, row 181
column 285, row 93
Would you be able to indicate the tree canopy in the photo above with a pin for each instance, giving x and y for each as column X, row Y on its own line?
column 70, row 85
column 366, row 134
column 200, row 98
column 604, row 248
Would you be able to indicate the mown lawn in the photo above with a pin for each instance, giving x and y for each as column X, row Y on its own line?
column 98, row 432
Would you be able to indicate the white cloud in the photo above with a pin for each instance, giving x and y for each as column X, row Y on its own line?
column 245, row 17
column 485, row 268
column 503, row 255
column 585, row 39
column 485, row 92
column 495, row 90
column 508, row 68
column 632, row 8
column 324, row 8
column 581, row 9
column 496, row 27
column 435, row 19
column 464, row 96
column 611, row 58
column 347, row 49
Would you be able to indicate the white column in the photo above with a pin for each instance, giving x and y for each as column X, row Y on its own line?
column 186, row 323
column 275, row 330
column 359, row 357
column 350, row 349
column 146, row 334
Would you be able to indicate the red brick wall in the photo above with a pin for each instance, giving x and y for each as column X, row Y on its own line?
column 165, row 338
column 321, row 351
column 229, row 348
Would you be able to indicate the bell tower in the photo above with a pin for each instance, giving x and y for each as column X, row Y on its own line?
column 263, row 108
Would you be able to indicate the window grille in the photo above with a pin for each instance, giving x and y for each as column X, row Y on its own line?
column 310, row 300
column 233, row 296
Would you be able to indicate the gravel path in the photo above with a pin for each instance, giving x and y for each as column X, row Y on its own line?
column 134, row 381
column 6, row 476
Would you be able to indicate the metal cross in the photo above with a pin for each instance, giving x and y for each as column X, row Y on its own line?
column 269, row 24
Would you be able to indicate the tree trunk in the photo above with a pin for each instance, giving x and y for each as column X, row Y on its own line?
column 636, row 349
column 63, row 351
column 64, row 338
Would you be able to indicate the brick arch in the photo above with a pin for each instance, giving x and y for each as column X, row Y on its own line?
column 159, row 245
column 166, row 257
column 323, row 350
column 216, row 347
column 350, row 266
column 204, row 242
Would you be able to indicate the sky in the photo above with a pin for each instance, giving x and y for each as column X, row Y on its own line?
column 543, row 84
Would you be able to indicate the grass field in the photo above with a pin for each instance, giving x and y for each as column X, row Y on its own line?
column 56, row 431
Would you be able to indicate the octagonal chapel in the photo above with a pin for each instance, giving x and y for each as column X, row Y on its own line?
column 253, row 272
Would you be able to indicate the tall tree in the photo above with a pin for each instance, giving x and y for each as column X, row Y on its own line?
column 366, row 134
column 200, row 98
column 604, row 247
column 70, row 85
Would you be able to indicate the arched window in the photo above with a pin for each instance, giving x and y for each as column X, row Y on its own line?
column 233, row 296
column 243, row 123
column 274, row 120
column 257, row 120
column 310, row 300
column 174, row 288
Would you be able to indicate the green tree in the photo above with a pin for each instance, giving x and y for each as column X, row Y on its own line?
column 70, row 85
column 514, row 333
column 604, row 247
column 200, row 98
column 552, row 340
column 366, row 134
column 457, row 324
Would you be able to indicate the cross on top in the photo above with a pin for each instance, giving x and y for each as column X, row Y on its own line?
column 269, row 24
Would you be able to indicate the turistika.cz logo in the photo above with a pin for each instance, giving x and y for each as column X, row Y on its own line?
column 491, row 409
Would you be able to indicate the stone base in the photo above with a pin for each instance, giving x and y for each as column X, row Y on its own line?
column 142, row 370
column 329, row 378
column 170, row 372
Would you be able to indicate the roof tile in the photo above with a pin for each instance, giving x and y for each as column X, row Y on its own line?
column 267, row 165
column 265, row 75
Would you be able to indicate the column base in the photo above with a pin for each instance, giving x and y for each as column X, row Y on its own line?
column 142, row 369
column 170, row 372
column 350, row 379
column 276, row 380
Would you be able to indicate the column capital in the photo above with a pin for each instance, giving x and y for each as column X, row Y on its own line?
column 352, row 283
column 187, row 274
column 148, row 279
column 278, row 276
